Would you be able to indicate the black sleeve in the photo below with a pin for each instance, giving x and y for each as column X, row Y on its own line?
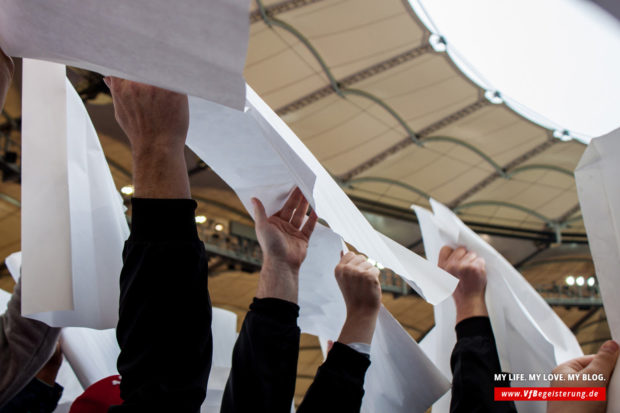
column 339, row 383
column 36, row 397
column 264, row 363
column 164, row 328
column 474, row 363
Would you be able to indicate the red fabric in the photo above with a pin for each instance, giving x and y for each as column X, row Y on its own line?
column 99, row 396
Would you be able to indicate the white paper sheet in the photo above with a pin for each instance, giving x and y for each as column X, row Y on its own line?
column 13, row 264
column 67, row 191
column 191, row 46
column 258, row 155
column 392, row 382
column 401, row 377
column 599, row 196
column 519, row 315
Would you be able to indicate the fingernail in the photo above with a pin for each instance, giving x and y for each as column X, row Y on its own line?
column 106, row 80
column 610, row 346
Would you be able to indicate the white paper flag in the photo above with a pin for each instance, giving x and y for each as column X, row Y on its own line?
column 190, row 46
column 530, row 337
column 73, row 221
column 599, row 196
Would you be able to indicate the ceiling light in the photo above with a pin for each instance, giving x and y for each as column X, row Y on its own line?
column 219, row 227
column 127, row 190
column 201, row 219
column 591, row 281
column 570, row 280
column 438, row 43
column 562, row 135
column 580, row 281
column 494, row 97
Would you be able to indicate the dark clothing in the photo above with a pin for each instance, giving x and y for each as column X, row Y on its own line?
column 164, row 328
column 264, row 363
column 339, row 383
column 474, row 364
column 36, row 397
column 264, row 367
column 25, row 346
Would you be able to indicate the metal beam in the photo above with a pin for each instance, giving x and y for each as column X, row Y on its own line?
column 279, row 8
column 372, row 179
column 441, row 123
column 555, row 261
column 510, row 167
column 583, row 319
column 548, row 221
column 355, row 78
column 10, row 200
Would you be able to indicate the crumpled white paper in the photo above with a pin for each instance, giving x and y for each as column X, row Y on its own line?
column 530, row 337
column 190, row 46
column 73, row 220
column 599, row 196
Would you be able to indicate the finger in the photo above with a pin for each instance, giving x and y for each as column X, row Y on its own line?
column 357, row 260
column 310, row 224
column 458, row 253
column 289, row 206
column 480, row 263
column 107, row 81
column 365, row 265
column 444, row 254
column 375, row 272
column 300, row 212
column 260, row 216
column 347, row 257
column 574, row 365
column 605, row 360
column 470, row 257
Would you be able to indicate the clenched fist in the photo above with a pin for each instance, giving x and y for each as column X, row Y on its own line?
column 471, row 272
column 359, row 282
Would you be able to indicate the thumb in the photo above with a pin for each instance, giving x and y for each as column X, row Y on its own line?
column 605, row 360
column 260, row 216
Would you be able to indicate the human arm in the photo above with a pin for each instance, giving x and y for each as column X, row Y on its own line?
column 339, row 382
column 264, row 364
column 602, row 363
column 164, row 333
column 474, row 360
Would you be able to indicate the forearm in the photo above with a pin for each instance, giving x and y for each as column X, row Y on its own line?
column 164, row 333
column 474, row 364
column 339, row 382
column 278, row 280
column 160, row 172
column 264, row 365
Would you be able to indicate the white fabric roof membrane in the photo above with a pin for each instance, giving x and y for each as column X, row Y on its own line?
column 564, row 43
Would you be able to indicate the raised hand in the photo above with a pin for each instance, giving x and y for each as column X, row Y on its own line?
column 283, row 238
column 156, row 122
column 359, row 282
column 592, row 366
column 471, row 272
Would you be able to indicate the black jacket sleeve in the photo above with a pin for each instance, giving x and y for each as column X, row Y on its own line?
column 339, row 383
column 474, row 363
column 164, row 328
column 264, row 364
